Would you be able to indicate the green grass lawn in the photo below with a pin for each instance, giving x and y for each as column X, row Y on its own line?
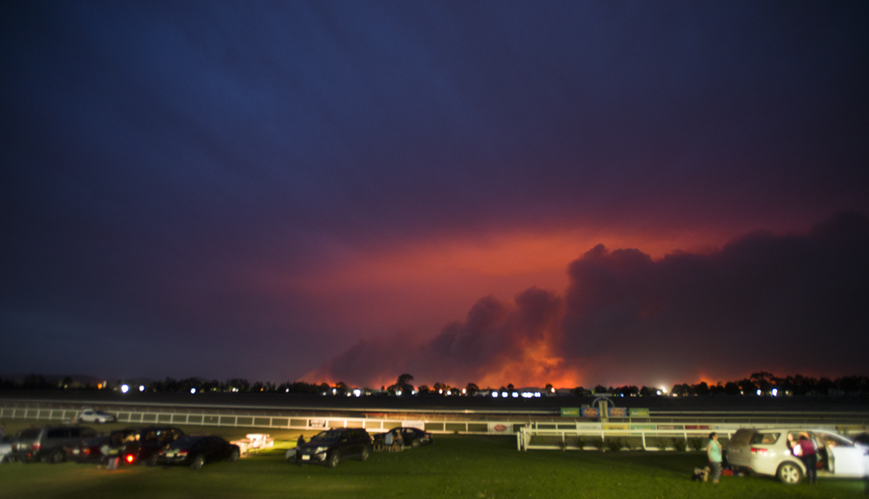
column 456, row 466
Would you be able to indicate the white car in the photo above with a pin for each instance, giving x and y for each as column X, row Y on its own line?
column 88, row 415
column 771, row 452
column 5, row 448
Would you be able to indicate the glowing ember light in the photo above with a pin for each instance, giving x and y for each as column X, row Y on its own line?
column 125, row 388
column 130, row 458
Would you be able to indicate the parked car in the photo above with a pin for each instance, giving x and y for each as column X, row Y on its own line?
column 770, row 452
column 89, row 415
column 196, row 451
column 408, row 437
column 139, row 445
column 330, row 447
column 89, row 451
column 49, row 443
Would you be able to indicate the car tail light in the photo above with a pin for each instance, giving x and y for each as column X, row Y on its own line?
column 130, row 458
column 86, row 451
column 759, row 451
column 35, row 446
column 182, row 452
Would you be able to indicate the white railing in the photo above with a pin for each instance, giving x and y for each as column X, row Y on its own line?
column 639, row 436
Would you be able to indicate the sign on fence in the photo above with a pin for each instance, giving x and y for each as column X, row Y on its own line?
column 590, row 412
column 639, row 413
column 618, row 412
column 570, row 412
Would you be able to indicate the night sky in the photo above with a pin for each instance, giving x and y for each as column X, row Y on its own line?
column 575, row 193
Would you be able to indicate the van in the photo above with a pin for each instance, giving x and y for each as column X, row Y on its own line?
column 49, row 443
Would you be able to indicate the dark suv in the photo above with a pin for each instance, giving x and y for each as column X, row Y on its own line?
column 49, row 443
column 140, row 445
column 333, row 446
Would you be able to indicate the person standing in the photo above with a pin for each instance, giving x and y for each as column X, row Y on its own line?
column 809, row 458
column 713, row 452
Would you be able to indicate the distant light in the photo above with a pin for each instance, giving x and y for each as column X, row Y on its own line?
column 515, row 394
column 193, row 390
column 775, row 392
column 659, row 392
column 141, row 388
column 504, row 394
column 357, row 392
column 464, row 391
column 125, row 388
column 494, row 394
column 440, row 392
column 334, row 391
column 398, row 393
column 288, row 390
column 758, row 391
column 552, row 389
column 662, row 390
column 537, row 394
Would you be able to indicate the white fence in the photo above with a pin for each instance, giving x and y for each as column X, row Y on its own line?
column 641, row 436
column 532, row 431
column 228, row 418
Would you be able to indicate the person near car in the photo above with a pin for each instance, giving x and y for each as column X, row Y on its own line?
column 809, row 458
column 713, row 452
column 388, row 441
column 301, row 440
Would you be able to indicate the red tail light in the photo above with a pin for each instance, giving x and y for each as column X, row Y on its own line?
column 130, row 458
column 86, row 451
column 759, row 450
column 182, row 452
column 35, row 447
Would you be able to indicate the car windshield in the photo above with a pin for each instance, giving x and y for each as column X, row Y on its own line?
column 93, row 441
column 327, row 435
column 185, row 442
column 31, row 433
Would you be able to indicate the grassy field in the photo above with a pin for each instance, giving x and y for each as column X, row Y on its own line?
column 456, row 466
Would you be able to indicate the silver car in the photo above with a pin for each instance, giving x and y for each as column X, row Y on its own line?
column 771, row 452
column 89, row 415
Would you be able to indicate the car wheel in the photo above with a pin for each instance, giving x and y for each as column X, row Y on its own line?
column 365, row 453
column 233, row 456
column 332, row 459
column 415, row 443
column 789, row 473
column 56, row 457
column 198, row 462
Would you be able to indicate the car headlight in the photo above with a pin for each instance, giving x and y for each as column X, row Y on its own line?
column 321, row 450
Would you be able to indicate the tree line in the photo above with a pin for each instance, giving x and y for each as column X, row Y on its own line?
column 758, row 384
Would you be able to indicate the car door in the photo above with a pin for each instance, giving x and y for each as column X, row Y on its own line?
column 846, row 459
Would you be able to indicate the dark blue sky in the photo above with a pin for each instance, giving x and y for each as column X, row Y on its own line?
column 225, row 189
